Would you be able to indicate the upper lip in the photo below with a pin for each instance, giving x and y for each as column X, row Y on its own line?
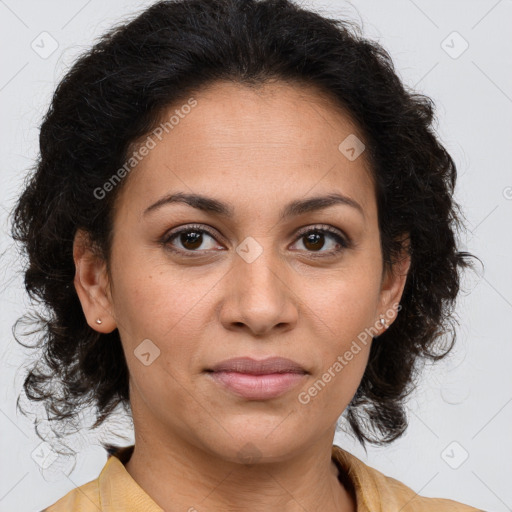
column 258, row 367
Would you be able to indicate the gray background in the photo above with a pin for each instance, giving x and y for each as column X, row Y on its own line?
column 463, row 406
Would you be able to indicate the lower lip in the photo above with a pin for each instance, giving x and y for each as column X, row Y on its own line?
column 258, row 387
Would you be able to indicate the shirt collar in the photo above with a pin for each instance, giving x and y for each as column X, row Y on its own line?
column 118, row 490
column 359, row 480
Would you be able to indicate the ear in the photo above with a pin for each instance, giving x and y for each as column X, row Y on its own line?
column 92, row 284
column 393, row 284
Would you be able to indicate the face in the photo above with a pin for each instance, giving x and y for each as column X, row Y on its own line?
column 252, row 277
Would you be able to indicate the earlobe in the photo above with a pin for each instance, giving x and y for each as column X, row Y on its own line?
column 92, row 284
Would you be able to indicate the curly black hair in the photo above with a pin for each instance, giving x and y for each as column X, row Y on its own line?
column 115, row 94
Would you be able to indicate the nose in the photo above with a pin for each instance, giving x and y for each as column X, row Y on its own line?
column 258, row 297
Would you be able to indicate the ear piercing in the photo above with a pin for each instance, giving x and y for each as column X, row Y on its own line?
column 383, row 323
column 98, row 321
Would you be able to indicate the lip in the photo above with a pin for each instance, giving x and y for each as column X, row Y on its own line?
column 258, row 366
column 258, row 379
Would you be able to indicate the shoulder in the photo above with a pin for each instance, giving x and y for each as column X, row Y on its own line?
column 88, row 497
column 113, row 490
column 407, row 500
column 85, row 498
column 377, row 491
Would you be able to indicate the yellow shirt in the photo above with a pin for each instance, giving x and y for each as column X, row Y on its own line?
column 116, row 491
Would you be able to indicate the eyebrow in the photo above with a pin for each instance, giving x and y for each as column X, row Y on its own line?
column 294, row 208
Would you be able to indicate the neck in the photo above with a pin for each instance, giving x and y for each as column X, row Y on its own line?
column 179, row 476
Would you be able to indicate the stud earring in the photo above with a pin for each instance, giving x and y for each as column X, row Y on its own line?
column 383, row 323
column 98, row 321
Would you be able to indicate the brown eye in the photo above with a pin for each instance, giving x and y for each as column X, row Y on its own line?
column 316, row 239
column 189, row 240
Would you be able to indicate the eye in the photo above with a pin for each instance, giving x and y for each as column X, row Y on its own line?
column 191, row 239
column 314, row 239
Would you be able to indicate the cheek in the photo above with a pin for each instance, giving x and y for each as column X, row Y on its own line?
column 328, row 392
column 150, row 299
column 345, row 302
column 344, row 309
column 168, row 309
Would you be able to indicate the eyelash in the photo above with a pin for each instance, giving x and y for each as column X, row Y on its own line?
column 344, row 242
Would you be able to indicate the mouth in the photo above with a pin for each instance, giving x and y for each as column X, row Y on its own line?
column 257, row 380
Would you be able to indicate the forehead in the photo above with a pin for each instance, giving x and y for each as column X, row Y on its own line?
column 272, row 114
column 262, row 140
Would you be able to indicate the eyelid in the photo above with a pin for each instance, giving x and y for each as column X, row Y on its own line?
column 189, row 227
column 325, row 228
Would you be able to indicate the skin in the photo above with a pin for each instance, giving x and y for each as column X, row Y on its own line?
column 257, row 150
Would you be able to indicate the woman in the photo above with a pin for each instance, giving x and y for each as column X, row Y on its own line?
column 243, row 226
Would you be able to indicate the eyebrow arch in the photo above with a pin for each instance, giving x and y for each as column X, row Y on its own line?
column 294, row 208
